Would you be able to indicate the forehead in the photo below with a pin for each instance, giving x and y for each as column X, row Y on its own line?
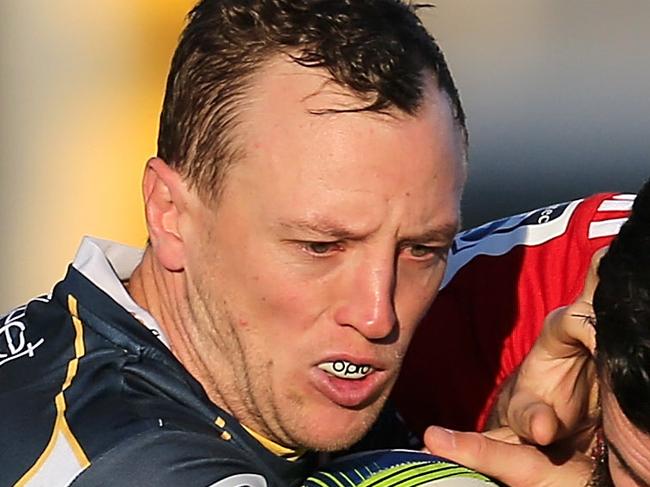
column 282, row 87
column 629, row 445
column 297, row 127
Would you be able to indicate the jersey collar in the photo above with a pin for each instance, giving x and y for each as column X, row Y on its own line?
column 275, row 448
column 107, row 264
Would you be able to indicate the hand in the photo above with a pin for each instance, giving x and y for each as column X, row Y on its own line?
column 498, row 455
column 553, row 394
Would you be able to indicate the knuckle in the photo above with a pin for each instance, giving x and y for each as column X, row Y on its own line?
column 476, row 448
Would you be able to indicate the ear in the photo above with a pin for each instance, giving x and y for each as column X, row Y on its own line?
column 165, row 199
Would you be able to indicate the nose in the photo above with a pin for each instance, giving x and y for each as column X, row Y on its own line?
column 367, row 301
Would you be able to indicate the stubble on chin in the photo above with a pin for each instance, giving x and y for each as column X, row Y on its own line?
column 304, row 433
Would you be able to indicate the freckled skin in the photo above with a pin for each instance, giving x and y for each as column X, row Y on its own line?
column 261, row 308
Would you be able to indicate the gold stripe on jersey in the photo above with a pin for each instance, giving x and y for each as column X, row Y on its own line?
column 221, row 424
column 273, row 447
column 61, row 426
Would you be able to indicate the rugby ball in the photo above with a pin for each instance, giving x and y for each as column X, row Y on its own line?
column 388, row 468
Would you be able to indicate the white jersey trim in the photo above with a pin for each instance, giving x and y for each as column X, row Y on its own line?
column 514, row 233
column 60, row 468
column 616, row 205
column 242, row 480
column 605, row 228
column 107, row 264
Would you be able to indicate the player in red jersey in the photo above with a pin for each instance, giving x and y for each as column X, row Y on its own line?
column 576, row 411
column 502, row 279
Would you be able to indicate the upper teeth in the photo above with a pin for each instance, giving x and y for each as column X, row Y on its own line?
column 345, row 369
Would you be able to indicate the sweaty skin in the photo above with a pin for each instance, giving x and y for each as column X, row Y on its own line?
column 327, row 245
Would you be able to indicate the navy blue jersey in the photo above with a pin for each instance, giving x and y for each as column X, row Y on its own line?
column 91, row 395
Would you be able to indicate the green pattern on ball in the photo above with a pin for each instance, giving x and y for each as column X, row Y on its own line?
column 405, row 474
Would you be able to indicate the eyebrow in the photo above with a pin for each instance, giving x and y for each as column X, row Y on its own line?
column 633, row 475
column 320, row 227
column 444, row 232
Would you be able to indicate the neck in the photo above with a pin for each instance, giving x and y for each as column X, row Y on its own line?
column 151, row 288
column 197, row 337
column 164, row 295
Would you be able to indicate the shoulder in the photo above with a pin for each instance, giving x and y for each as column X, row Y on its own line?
column 169, row 456
column 30, row 339
column 583, row 224
column 96, row 400
column 502, row 279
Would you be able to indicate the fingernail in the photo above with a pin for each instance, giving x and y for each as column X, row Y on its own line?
column 444, row 438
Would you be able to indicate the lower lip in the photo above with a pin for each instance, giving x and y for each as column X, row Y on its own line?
column 346, row 392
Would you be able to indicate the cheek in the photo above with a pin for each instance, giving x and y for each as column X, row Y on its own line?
column 280, row 297
column 414, row 292
column 258, row 282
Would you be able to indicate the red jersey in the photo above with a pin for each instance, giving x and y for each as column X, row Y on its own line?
column 502, row 279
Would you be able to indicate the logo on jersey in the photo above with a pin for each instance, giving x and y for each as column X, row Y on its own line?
column 242, row 480
column 13, row 343
column 499, row 237
column 508, row 225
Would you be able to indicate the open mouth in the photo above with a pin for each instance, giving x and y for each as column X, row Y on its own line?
column 344, row 369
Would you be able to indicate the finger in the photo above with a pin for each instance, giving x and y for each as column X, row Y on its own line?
column 543, row 424
column 583, row 305
column 591, row 280
column 504, row 434
column 568, row 326
column 491, row 457
column 580, row 317
column 587, row 336
column 575, row 322
column 532, row 419
column 569, row 331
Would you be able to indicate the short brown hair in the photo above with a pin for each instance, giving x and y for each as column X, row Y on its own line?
column 378, row 49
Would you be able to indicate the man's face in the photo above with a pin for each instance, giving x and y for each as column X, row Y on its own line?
column 326, row 247
column 628, row 447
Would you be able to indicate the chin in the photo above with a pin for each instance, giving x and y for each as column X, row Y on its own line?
column 335, row 428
